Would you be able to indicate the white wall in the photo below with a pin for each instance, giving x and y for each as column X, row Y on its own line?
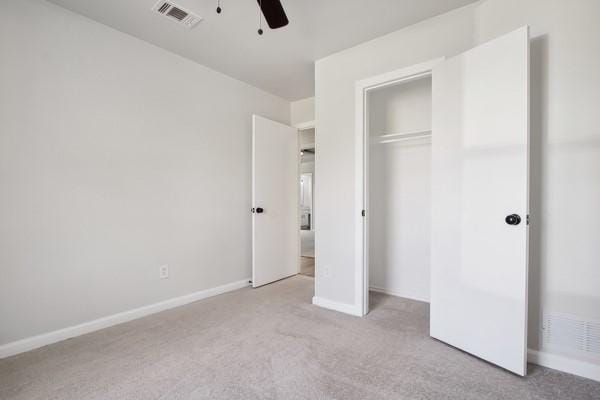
column 400, row 108
column 565, row 141
column 565, row 128
column 302, row 111
column 335, row 105
column 307, row 137
column 400, row 218
column 308, row 166
column 115, row 157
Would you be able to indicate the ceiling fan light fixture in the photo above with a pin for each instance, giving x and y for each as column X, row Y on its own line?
column 272, row 10
column 274, row 13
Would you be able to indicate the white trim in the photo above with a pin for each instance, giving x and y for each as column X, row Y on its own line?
column 298, row 214
column 396, row 294
column 565, row 364
column 361, row 263
column 302, row 126
column 335, row 306
column 45, row 339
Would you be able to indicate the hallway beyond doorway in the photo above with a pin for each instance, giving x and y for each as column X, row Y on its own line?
column 307, row 243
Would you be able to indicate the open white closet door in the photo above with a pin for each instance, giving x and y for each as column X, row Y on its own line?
column 275, row 223
column 480, row 201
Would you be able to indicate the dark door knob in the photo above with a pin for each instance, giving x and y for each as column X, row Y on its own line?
column 513, row 219
column 259, row 210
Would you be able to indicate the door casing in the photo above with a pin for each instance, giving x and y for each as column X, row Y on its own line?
column 361, row 240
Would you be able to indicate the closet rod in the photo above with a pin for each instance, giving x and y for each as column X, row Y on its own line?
column 400, row 137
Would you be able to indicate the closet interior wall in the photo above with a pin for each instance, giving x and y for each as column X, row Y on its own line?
column 399, row 188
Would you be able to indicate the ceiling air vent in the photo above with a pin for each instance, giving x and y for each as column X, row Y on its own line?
column 176, row 13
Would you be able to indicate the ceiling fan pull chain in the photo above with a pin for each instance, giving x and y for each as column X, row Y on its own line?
column 219, row 9
column 260, row 31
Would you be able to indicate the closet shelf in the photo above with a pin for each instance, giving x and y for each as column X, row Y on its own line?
column 400, row 137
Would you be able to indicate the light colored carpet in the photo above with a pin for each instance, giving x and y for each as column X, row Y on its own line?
column 271, row 343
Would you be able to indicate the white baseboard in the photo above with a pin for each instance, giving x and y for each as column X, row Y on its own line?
column 397, row 294
column 34, row 342
column 561, row 363
column 565, row 364
column 334, row 305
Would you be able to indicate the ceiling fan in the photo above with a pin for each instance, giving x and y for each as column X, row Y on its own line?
column 273, row 12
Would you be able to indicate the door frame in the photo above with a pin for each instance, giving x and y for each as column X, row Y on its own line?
column 361, row 239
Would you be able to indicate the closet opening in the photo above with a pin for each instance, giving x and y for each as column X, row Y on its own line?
column 399, row 168
column 394, row 133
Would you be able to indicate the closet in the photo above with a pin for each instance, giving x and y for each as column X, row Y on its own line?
column 442, row 216
column 399, row 188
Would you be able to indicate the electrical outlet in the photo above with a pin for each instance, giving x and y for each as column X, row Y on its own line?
column 164, row 272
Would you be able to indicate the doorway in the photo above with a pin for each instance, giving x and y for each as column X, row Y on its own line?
column 275, row 219
column 283, row 179
column 399, row 148
column 306, row 201
column 394, row 183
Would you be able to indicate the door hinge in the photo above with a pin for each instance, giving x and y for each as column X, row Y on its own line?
column 527, row 219
column 363, row 213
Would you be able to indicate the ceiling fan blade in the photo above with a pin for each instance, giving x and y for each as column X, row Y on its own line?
column 274, row 13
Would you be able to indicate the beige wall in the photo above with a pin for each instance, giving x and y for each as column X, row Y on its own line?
column 116, row 157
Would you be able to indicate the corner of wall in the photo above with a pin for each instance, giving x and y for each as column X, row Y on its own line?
column 302, row 111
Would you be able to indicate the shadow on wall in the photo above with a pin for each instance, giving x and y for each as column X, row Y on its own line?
column 539, row 142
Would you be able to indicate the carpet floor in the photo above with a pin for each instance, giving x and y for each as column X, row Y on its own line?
column 271, row 343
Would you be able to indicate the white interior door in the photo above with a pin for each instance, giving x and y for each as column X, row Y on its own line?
column 275, row 222
column 480, row 176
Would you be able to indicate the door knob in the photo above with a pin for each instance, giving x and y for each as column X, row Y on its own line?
column 259, row 210
column 513, row 219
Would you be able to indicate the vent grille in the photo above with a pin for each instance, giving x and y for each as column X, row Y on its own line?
column 176, row 13
column 163, row 9
column 571, row 333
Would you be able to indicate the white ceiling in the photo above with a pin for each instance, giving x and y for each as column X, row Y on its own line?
column 281, row 61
